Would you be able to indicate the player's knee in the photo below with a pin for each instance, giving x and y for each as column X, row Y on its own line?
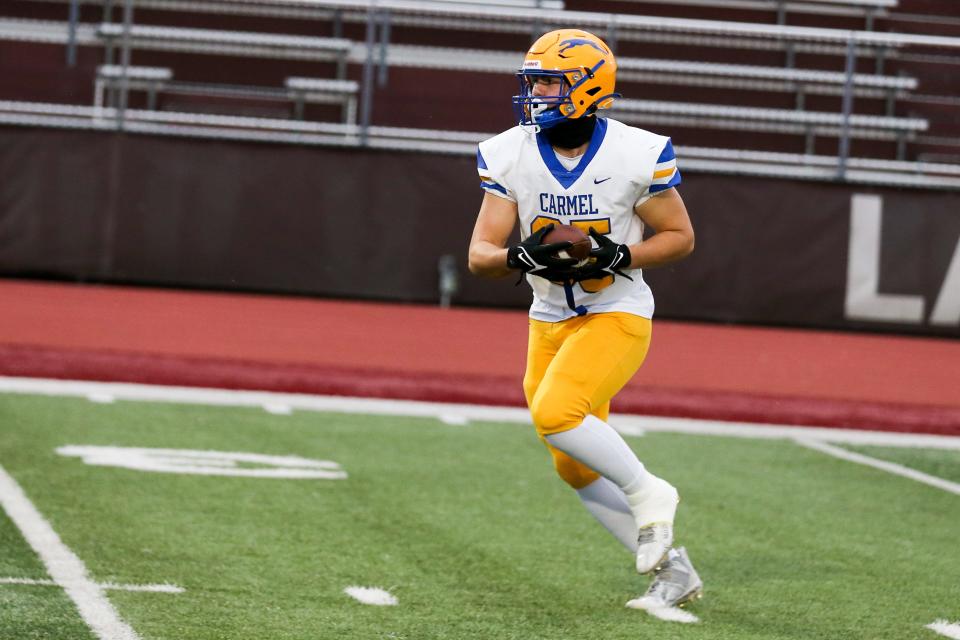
column 553, row 414
column 574, row 473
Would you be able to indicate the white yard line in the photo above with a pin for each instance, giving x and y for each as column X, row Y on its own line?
column 66, row 569
column 151, row 588
column 883, row 465
column 28, row 581
column 447, row 412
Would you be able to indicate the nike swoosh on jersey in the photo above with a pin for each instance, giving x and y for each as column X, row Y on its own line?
column 595, row 181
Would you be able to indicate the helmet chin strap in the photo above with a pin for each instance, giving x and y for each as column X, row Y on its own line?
column 571, row 133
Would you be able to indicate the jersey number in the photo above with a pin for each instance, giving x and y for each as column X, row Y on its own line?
column 602, row 226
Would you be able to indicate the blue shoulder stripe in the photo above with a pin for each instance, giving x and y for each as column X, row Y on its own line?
column 494, row 186
column 667, row 154
column 481, row 163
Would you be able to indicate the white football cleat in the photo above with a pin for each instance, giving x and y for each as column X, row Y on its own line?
column 654, row 509
column 675, row 584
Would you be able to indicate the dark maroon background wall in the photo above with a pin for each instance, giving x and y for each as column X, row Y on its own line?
column 373, row 224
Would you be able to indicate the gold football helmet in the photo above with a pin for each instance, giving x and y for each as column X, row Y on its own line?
column 587, row 71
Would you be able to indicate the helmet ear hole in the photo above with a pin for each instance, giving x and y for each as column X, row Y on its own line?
column 592, row 92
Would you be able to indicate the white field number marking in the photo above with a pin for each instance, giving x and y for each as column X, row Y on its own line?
column 372, row 595
column 206, row 463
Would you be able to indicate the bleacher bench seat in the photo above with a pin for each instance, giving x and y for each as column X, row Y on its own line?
column 110, row 78
column 324, row 90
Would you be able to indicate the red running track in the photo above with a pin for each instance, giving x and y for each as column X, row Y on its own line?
column 421, row 352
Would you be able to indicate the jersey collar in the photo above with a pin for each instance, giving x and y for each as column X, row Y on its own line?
column 564, row 177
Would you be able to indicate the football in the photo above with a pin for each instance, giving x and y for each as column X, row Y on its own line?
column 568, row 233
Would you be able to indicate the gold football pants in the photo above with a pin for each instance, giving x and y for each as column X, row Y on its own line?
column 574, row 368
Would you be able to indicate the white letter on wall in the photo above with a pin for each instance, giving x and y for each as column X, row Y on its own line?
column 863, row 301
column 947, row 309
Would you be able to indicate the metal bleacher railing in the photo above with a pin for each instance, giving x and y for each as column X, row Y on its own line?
column 869, row 10
column 797, row 81
column 800, row 82
column 378, row 54
column 241, row 43
column 152, row 80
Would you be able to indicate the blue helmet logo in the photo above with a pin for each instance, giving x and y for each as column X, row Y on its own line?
column 571, row 43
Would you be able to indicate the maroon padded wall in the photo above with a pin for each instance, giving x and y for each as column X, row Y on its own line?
column 373, row 224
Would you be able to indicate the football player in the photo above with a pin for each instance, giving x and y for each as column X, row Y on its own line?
column 590, row 321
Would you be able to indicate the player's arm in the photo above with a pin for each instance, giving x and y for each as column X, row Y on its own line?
column 673, row 239
column 488, row 246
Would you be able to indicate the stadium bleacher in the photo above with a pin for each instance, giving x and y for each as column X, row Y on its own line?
column 864, row 12
column 708, row 78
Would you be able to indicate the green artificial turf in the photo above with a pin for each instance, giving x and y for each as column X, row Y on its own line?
column 466, row 525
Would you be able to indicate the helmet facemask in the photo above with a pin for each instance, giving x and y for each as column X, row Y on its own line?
column 541, row 111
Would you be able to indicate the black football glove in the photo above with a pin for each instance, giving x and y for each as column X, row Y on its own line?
column 530, row 256
column 609, row 258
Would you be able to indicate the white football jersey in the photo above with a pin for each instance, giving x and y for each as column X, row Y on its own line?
column 622, row 167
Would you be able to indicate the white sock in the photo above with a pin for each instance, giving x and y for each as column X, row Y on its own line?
column 606, row 502
column 597, row 445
